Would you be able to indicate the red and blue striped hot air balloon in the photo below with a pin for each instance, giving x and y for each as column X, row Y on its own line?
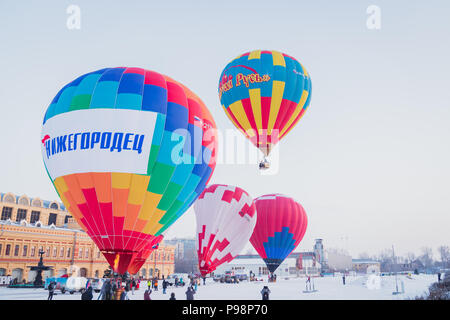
column 265, row 94
column 280, row 226
column 128, row 150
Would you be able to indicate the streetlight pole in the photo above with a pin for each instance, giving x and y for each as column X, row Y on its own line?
column 394, row 263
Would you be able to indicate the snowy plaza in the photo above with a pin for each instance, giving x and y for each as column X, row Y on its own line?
column 328, row 288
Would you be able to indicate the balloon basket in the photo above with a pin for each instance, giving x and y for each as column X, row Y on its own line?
column 264, row 165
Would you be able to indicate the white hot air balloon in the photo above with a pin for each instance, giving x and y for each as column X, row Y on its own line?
column 226, row 216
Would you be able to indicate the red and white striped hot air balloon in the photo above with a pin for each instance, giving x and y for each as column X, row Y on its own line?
column 226, row 216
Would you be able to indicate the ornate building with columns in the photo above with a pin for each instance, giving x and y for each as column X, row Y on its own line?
column 28, row 225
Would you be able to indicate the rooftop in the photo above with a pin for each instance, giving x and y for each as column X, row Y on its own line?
column 38, row 224
column 364, row 261
column 34, row 202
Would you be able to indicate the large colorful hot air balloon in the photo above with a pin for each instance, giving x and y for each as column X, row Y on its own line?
column 225, row 220
column 265, row 94
column 138, row 261
column 127, row 150
column 280, row 227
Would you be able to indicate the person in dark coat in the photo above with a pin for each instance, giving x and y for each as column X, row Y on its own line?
column 265, row 293
column 147, row 294
column 439, row 277
column 51, row 290
column 108, row 290
column 190, row 293
column 164, row 285
column 133, row 285
column 343, row 279
column 113, row 289
column 172, row 296
column 87, row 294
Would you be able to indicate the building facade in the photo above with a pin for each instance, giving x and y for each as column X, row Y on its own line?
column 186, row 258
column 30, row 225
column 297, row 264
column 366, row 266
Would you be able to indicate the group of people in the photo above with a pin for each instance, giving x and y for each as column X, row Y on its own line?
column 110, row 287
column 272, row 277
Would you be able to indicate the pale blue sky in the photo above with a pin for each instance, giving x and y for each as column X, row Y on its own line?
column 369, row 160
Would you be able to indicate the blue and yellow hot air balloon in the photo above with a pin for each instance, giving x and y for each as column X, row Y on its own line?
column 265, row 94
column 128, row 150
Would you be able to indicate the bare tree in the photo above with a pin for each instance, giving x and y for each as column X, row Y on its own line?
column 364, row 255
column 427, row 257
column 444, row 252
column 411, row 257
column 385, row 259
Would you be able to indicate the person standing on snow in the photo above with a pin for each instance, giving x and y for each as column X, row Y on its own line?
column 87, row 294
column 265, row 293
column 133, row 286
column 51, row 290
column 343, row 279
column 190, row 293
column 108, row 290
column 164, row 285
column 102, row 291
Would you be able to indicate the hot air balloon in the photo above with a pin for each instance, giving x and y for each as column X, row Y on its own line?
column 265, row 94
column 138, row 261
column 279, row 229
column 127, row 150
column 225, row 217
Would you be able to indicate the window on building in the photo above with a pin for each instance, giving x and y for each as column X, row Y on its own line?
column 54, row 205
column 36, row 203
column 48, row 252
column 98, row 254
column 66, row 219
column 21, row 215
column 24, row 201
column 87, row 253
column 35, row 215
column 80, row 253
column 0, row 249
column 33, row 251
column 7, row 250
column 9, row 198
column 25, row 250
column 68, row 252
column 54, row 252
column 52, row 218
column 16, row 250
column 6, row 213
column 61, row 252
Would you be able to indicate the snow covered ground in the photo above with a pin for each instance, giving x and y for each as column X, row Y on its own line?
column 328, row 288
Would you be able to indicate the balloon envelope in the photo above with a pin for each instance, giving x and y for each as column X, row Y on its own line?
column 138, row 261
column 225, row 221
column 127, row 150
column 265, row 94
column 279, row 229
